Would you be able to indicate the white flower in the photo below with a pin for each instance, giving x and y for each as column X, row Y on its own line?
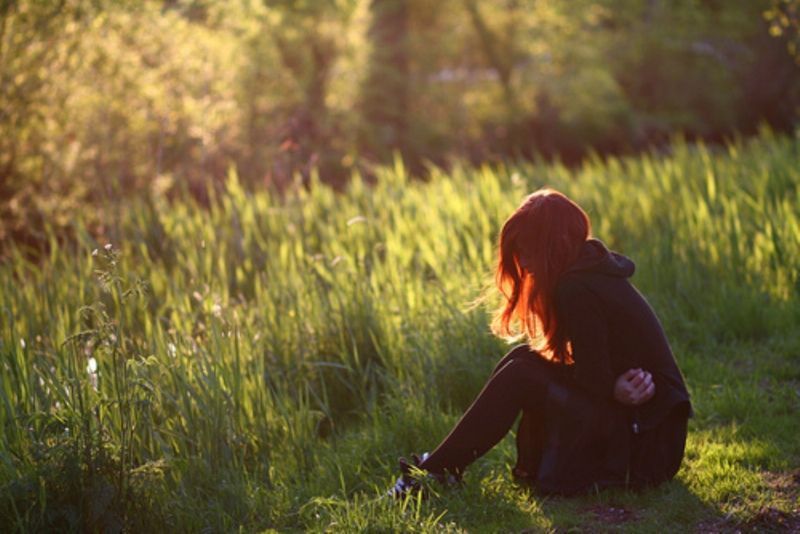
column 172, row 350
column 108, row 246
column 94, row 252
column 91, row 368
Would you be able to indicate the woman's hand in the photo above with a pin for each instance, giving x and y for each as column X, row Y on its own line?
column 634, row 387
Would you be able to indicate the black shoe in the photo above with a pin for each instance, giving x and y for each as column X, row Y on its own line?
column 409, row 482
column 523, row 478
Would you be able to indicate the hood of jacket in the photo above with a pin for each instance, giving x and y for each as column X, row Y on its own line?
column 595, row 257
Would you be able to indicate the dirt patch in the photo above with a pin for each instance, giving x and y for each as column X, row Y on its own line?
column 713, row 526
column 612, row 514
column 604, row 518
column 785, row 490
column 784, row 485
column 770, row 519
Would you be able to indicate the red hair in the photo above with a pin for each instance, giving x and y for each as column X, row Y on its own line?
column 548, row 230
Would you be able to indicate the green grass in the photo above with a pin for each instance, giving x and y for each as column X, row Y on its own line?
column 262, row 363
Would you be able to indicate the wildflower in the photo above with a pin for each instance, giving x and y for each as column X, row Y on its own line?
column 94, row 252
column 172, row 350
column 216, row 310
column 108, row 246
column 91, row 369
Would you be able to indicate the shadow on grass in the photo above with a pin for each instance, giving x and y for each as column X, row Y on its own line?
column 495, row 505
column 674, row 507
column 671, row 506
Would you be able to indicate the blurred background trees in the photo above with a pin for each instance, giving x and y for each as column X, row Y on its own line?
column 100, row 99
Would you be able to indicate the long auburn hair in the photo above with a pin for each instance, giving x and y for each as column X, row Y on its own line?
column 549, row 229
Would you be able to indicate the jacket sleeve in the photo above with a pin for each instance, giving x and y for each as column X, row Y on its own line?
column 580, row 313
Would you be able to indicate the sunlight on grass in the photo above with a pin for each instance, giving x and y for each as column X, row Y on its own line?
column 720, row 467
column 274, row 356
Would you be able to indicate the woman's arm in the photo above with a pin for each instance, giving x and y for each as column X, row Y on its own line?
column 580, row 314
column 582, row 317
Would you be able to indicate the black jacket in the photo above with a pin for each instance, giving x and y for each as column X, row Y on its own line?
column 612, row 328
column 590, row 440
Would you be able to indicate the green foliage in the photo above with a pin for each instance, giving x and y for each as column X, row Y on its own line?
column 99, row 99
column 261, row 361
column 784, row 20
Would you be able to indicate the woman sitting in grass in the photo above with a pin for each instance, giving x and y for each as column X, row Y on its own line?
column 603, row 402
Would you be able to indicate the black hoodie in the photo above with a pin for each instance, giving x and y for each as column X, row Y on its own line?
column 612, row 328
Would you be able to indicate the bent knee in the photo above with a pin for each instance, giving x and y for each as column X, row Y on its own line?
column 529, row 366
column 528, row 362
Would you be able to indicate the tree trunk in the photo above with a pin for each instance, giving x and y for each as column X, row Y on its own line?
column 385, row 93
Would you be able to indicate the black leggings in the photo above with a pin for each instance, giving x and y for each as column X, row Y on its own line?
column 519, row 383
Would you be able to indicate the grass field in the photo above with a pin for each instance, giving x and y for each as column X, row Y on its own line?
column 261, row 364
